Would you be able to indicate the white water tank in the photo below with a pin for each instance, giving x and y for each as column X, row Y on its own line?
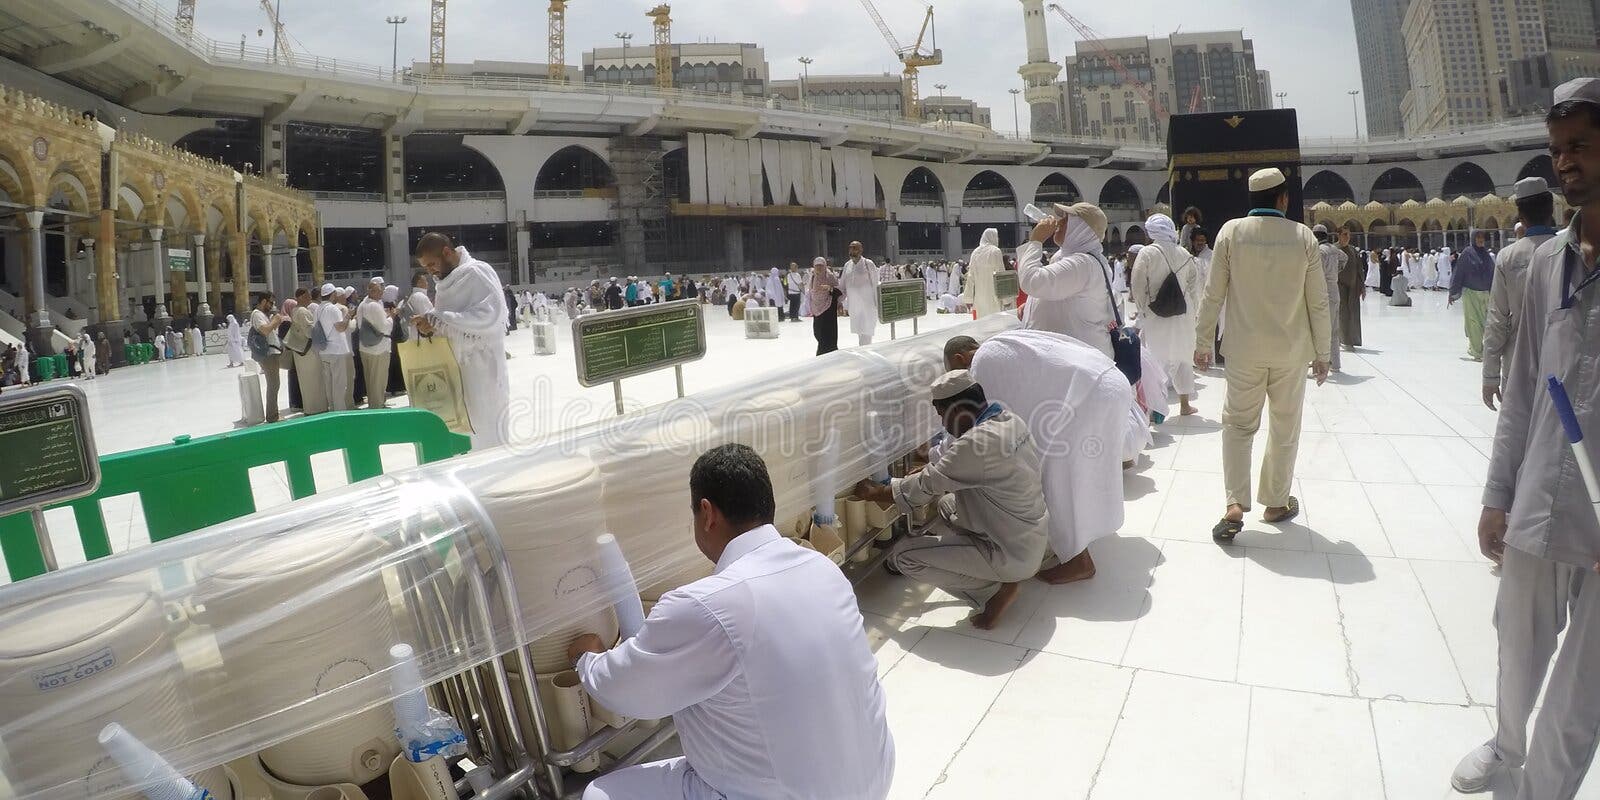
column 544, row 338
column 760, row 322
column 277, row 657
column 77, row 651
column 645, row 477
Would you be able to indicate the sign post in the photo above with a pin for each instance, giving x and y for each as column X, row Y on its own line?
column 179, row 260
column 899, row 301
column 613, row 345
column 1006, row 288
column 50, row 455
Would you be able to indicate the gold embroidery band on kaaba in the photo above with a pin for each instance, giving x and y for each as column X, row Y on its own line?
column 1234, row 158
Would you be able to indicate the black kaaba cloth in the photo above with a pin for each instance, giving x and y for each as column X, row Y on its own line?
column 1210, row 158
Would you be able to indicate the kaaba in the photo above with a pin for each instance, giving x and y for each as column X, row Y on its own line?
column 1210, row 158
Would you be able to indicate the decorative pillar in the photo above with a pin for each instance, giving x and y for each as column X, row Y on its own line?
column 158, row 254
column 268, row 266
column 891, row 240
column 199, row 265
column 36, row 310
column 214, row 273
column 241, row 274
column 952, row 241
column 318, row 268
column 524, row 244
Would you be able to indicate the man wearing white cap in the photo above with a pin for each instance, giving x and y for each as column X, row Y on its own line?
column 1072, row 293
column 1536, row 208
column 1538, row 521
column 859, row 280
column 333, row 325
column 990, row 531
column 1268, row 270
column 376, row 324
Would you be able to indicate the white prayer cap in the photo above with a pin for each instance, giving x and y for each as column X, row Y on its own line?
column 953, row 383
column 1323, row 229
column 376, row 281
column 1530, row 187
column 327, row 289
column 1270, row 178
column 1581, row 90
column 391, row 294
column 349, row 290
column 819, row 261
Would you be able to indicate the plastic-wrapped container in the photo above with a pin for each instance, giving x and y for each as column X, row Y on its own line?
column 286, row 617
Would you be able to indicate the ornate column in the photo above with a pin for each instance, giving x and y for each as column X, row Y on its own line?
column 524, row 243
column 199, row 265
column 93, row 263
column 270, row 268
column 891, row 240
column 318, row 268
column 105, row 274
column 158, row 254
column 241, row 274
column 36, row 310
column 952, row 241
column 214, row 272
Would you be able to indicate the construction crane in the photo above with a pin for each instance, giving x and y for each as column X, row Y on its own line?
column 913, row 58
column 558, row 40
column 1194, row 99
column 436, row 37
column 661, row 17
column 1088, row 35
column 185, row 18
column 280, row 38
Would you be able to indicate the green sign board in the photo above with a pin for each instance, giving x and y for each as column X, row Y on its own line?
column 613, row 345
column 899, row 301
column 1005, row 288
column 179, row 260
column 49, row 448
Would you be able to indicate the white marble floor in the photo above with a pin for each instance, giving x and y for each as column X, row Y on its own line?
column 1347, row 655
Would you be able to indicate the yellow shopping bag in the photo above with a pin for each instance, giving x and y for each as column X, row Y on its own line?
column 433, row 380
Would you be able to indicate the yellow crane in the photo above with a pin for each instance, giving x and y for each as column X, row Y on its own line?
column 558, row 40
column 436, row 36
column 913, row 58
column 661, row 17
column 185, row 18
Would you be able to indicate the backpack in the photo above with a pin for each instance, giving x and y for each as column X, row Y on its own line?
column 1169, row 300
column 258, row 345
column 319, row 337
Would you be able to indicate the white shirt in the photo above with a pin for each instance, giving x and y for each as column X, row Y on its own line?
column 329, row 316
column 795, row 282
column 372, row 312
column 259, row 320
column 1067, row 295
column 766, row 672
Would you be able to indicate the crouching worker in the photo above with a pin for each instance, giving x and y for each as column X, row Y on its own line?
column 991, row 529
column 763, row 666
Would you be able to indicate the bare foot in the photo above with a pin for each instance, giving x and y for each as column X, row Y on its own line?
column 1079, row 568
column 1187, row 410
column 997, row 605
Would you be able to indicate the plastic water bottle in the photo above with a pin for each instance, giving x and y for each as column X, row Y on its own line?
column 1034, row 214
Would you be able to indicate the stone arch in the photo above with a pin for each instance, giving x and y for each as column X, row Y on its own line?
column 16, row 181
column 922, row 188
column 1329, row 187
column 70, row 186
column 1467, row 180
column 130, row 204
column 1134, row 235
column 1119, row 193
column 1353, row 226
column 1539, row 166
column 1056, row 187
column 308, row 229
column 989, row 189
column 1397, row 185
column 575, row 167
column 1164, row 194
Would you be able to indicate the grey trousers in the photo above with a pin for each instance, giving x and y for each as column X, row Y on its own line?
column 964, row 563
column 375, row 368
column 1537, row 599
column 338, row 381
column 270, row 369
column 1333, row 317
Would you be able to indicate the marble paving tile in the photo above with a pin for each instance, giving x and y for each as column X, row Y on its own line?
column 1396, row 647
column 1192, row 627
column 1093, row 619
column 1178, row 737
column 1421, row 743
column 1462, row 596
column 1290, row 637
column 1310, row 746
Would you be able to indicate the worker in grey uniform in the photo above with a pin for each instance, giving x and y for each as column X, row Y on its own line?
column 990, row 532
column 1333, row 260
column 1536, row 207
column 1537, row 521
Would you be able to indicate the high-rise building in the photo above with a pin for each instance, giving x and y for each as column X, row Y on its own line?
column 1039, row 74
column 1385, row 77
column 1475, row 61
column 1203, row 71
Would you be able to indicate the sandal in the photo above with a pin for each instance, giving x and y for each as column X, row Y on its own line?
column 1226, row 530
column 1292, row 511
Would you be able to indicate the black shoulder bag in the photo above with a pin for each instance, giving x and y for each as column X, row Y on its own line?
column 1124, row 340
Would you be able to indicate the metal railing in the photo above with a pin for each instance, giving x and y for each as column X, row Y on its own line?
column 358, row 196
column 483, row 194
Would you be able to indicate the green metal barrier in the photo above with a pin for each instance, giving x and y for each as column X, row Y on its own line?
column 63, row 369
column 194, row 483
column 44, row 369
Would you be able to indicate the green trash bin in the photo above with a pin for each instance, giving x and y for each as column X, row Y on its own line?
column 63, row 369
column 44, row 368
column 127, row 353
column 148, row 352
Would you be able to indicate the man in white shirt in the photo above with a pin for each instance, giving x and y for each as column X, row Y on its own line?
column 763, row 666
column 859, row 280
column 333, row 320
column 264, row 320
column 470, row 311
column 1071, row 293
column 794, row 284
column 376, row 323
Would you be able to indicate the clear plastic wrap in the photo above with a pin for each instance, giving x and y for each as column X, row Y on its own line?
column 272, row 634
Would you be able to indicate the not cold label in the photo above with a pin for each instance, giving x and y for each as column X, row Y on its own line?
column 84, row 668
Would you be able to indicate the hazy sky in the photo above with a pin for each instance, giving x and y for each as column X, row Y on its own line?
column 1309, row 45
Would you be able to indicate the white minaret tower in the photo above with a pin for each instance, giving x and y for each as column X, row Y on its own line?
column 1039, row 74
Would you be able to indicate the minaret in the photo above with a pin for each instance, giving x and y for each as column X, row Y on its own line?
column 1039, row 74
